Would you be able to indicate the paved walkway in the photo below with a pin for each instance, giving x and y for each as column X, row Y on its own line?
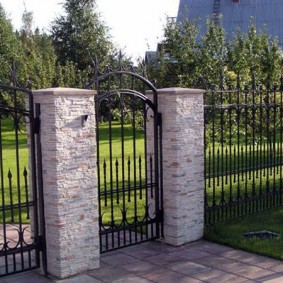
column 201, row 261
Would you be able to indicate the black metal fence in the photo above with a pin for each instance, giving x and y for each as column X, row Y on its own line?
column 20, row 240
column 243, row 151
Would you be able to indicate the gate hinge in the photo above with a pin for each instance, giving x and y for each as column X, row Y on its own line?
column 159, row 118
column 41, row 243
column 160, row 215
column 36, row 125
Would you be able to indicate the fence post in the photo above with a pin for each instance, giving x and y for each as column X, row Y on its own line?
column 183, row 163
column 68, row 145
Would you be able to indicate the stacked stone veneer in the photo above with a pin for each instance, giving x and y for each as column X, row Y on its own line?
column 69, row 179
column 183, row 163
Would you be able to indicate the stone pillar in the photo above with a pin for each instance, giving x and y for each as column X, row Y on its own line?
column 68, row 145
column 183, row 163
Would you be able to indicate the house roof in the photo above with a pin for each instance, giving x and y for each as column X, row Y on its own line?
column 267, row 14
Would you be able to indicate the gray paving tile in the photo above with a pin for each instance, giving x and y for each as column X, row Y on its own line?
column 213, row 248
column 158, row 262
column 210, row 275
column 139, row 267
column 187, row 267
column 79, row 279
column 164, row 259
column 141, row 252
column 131, row 279
column 277, row 267
column 278, row 279
column 215, row 261
column 162, row 275
column 249, row 271
column 183, row 279
column 118, row 259
column 191, row 254
column 162, row 247
column 257, row 260
column 107, row 273
column 26, row 277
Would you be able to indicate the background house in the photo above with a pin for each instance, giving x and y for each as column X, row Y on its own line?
column 266, row 14
column 236, row 14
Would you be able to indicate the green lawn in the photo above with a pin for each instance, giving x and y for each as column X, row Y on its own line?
column 119, row 177
column 14, row 165
column 248, row 178
column 134, row 154
column 231, row 232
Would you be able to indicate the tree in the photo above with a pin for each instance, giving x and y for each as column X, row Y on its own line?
column 192, row 61
column 255, row 56
column 80, row 36
column 38, row 59
column 178, row 56
column 9, row 47
column 213, row 53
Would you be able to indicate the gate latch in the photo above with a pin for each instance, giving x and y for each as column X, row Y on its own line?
column 160, row 215
column 159, row 119
column 36, row 125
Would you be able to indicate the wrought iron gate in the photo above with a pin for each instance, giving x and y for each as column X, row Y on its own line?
column 129, row 159
column 21, row 237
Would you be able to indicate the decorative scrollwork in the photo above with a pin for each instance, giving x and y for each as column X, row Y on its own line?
column 15, row 238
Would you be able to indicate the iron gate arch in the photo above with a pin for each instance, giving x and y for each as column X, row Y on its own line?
column 128, row 131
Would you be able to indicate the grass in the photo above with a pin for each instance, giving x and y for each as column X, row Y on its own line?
column 122, row 188
column 133, row 149
column 14, row 161
column 241, row 175
column 231, row 232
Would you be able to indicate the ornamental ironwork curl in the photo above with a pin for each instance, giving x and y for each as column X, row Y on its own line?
column 10, row 246
column 131, row 221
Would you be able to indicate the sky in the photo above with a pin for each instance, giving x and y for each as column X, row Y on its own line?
column 135, row 25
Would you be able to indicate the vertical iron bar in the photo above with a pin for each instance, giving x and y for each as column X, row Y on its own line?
column 238, row 153
column 230, row 123
column 213, row 93
column 206, row 160
column 145, row 119
column 222, row 112
column 25, row 174
column 105, row 183
column 161, row 175
column 18, row 186
column 156, row 162
column 3, row 200
column 38, row 190
column 261, row 153
column 122, row 101
column 98, row 163
column 151, row 184
column 11, row 195
column 129, row 179
column 117, row 181
column 281, row 141
column 246, row 150
column 274, row 190
column 129, row 193
column 117, row 194
column 134, row 101
column 140, row 190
